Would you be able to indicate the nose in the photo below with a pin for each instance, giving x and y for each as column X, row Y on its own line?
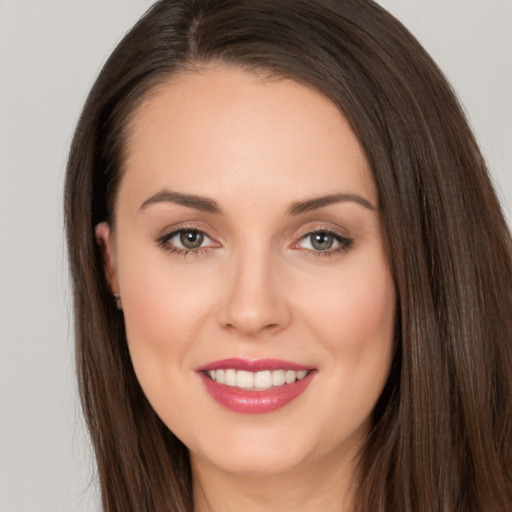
column 255, row 299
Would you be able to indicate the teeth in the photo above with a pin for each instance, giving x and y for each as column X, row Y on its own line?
column 290, row 376
column 278, row 377
column 263, row 380
column 230, row 378
column 244, row 380
column 256, row 380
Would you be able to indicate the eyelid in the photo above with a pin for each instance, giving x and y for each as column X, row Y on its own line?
column 164, row 239
column 175, row 234
column 344, row 243
column 321, row 227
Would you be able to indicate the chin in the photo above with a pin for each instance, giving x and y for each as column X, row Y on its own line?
column 257, row 451
column 254, row 463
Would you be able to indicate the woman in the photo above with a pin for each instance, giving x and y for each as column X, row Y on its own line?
column 292, row 277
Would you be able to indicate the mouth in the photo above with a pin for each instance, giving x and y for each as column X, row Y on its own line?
column 256, row 381
column 255, row 386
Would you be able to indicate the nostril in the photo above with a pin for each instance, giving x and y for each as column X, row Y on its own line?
column 253, row 303
column 251, row 330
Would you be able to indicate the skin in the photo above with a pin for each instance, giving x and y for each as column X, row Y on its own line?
column 257, row 287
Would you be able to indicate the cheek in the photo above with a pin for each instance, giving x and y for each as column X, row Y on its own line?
column 355, row 309
column 164, row 306
column 354, row 319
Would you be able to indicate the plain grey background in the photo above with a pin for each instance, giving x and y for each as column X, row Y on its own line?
column 50, row 53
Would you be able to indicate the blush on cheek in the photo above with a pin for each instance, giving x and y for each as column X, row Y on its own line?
column 163, row 309
column 144, row 310
column 361, row 314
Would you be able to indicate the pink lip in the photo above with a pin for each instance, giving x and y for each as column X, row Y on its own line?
column 249, row 401
column 252, row 365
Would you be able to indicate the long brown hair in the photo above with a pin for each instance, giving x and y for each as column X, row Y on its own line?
column 442, row 435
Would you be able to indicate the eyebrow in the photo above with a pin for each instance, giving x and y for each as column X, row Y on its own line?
column 191, row 201
column 319, row 202
column 208, row 205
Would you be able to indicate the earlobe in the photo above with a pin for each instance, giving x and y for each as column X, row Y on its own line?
column 104, row 241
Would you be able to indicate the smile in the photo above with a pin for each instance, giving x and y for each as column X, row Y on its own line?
column 255, row 386
column 258, row 381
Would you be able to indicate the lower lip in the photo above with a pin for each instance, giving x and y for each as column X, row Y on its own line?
column 255, row 402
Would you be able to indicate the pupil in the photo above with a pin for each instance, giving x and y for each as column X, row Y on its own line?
column 322, row 241
column 191, row 239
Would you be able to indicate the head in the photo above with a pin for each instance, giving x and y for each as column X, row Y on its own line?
column 432, row 194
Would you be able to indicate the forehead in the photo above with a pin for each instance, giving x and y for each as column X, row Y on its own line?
column 224, row 129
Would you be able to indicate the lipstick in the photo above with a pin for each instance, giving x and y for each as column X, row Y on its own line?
column 254, row 386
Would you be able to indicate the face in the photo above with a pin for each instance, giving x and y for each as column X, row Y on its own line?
column 249, row 257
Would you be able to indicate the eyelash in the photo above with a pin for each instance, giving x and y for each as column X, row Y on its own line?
column 345, row 244
column 164, row 240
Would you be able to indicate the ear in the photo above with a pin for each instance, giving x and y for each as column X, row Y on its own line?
column 104, row 240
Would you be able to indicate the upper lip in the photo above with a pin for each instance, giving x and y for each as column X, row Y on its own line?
column 252, row 365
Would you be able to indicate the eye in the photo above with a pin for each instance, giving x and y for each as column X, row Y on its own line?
column 323, row 241
column 185, row 239
column 320, row 241
column 190, row 239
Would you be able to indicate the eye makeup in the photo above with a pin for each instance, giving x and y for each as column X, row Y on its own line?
column 190, row 240
column 323, row 242
column 187, row 240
